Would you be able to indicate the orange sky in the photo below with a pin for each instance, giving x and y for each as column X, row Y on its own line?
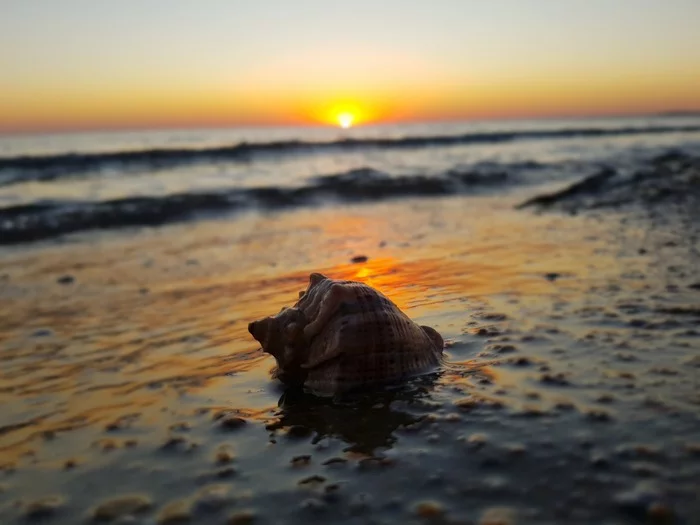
column 86, row 65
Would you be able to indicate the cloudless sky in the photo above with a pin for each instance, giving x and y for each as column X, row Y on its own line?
column 144, row 63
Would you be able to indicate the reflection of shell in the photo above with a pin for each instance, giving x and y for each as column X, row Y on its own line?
column 344, row 334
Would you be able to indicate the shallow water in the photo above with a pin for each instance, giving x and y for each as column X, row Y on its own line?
column 131, row 389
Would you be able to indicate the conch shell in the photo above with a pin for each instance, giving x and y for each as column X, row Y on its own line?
column 341, row 335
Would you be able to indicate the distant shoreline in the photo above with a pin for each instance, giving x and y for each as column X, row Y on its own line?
column 6, row 133
column 679, row 113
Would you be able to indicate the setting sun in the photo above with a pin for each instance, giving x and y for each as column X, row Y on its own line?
column 345, row 120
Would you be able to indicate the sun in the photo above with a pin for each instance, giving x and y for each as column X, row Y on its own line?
column 345, row 120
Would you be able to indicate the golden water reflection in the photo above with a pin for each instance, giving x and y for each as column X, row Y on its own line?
column 160, row 317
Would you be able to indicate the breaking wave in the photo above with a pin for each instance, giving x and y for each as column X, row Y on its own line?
column 48, row 167
column 46, row 219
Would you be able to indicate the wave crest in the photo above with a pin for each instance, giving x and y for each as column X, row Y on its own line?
column 50, row 167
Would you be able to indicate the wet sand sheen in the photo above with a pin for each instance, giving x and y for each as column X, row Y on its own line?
column 129, row 358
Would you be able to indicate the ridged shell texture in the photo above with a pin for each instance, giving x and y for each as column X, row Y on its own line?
column 342, row 335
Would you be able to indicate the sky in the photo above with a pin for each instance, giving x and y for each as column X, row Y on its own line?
column 87, row 64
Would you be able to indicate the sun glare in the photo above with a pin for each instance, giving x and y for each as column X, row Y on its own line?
column 345, row 120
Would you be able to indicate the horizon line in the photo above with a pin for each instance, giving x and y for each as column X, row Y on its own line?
column 152, row 127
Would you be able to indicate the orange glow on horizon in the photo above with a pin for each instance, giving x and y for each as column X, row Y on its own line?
column 167, row 107
column 344, row 114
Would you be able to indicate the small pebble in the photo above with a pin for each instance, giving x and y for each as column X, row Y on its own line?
column 660, row 513
column 301, row 461
column 242, row 517
column 477, row 441
column 231, row 422
column 173, row 442
column 504, row 349
column 645, row 469
column 312, row 480
column 495, row 316
column 374, row 462
column 692, row 449
column 637, row 450
column 181, row 426
column 224, row 454
column 497, row 516
column 554, row 379
column 107, row 445
column 112, row 427
column 429, row 510
column 331, row 491
column 66, row 279
column 472, row 403
column 598, row 416
column 121, row 506
column 212, row 497
column 335, row 461
column 175, row 512
column 516, row 449
column 225, row 472
column 605, row 399
column 599, row 460
column 313, row 505
column 642, row 500
column 625, row 357
column 44, row 507
column 531, row 412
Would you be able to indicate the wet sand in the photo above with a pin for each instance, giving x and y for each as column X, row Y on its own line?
column 132, row 392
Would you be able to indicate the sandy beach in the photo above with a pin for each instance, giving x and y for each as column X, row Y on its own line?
column 133, row 393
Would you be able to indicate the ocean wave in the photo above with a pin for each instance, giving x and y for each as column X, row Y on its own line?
column 671, row 178
column 48, row 167
column 42, row 220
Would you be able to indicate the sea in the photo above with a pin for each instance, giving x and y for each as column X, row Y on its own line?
column 57, row 184
column 558, row 259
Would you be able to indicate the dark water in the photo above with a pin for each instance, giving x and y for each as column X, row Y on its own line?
column 69, row 184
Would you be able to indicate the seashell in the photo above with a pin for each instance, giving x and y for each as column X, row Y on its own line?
column 341, row 335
